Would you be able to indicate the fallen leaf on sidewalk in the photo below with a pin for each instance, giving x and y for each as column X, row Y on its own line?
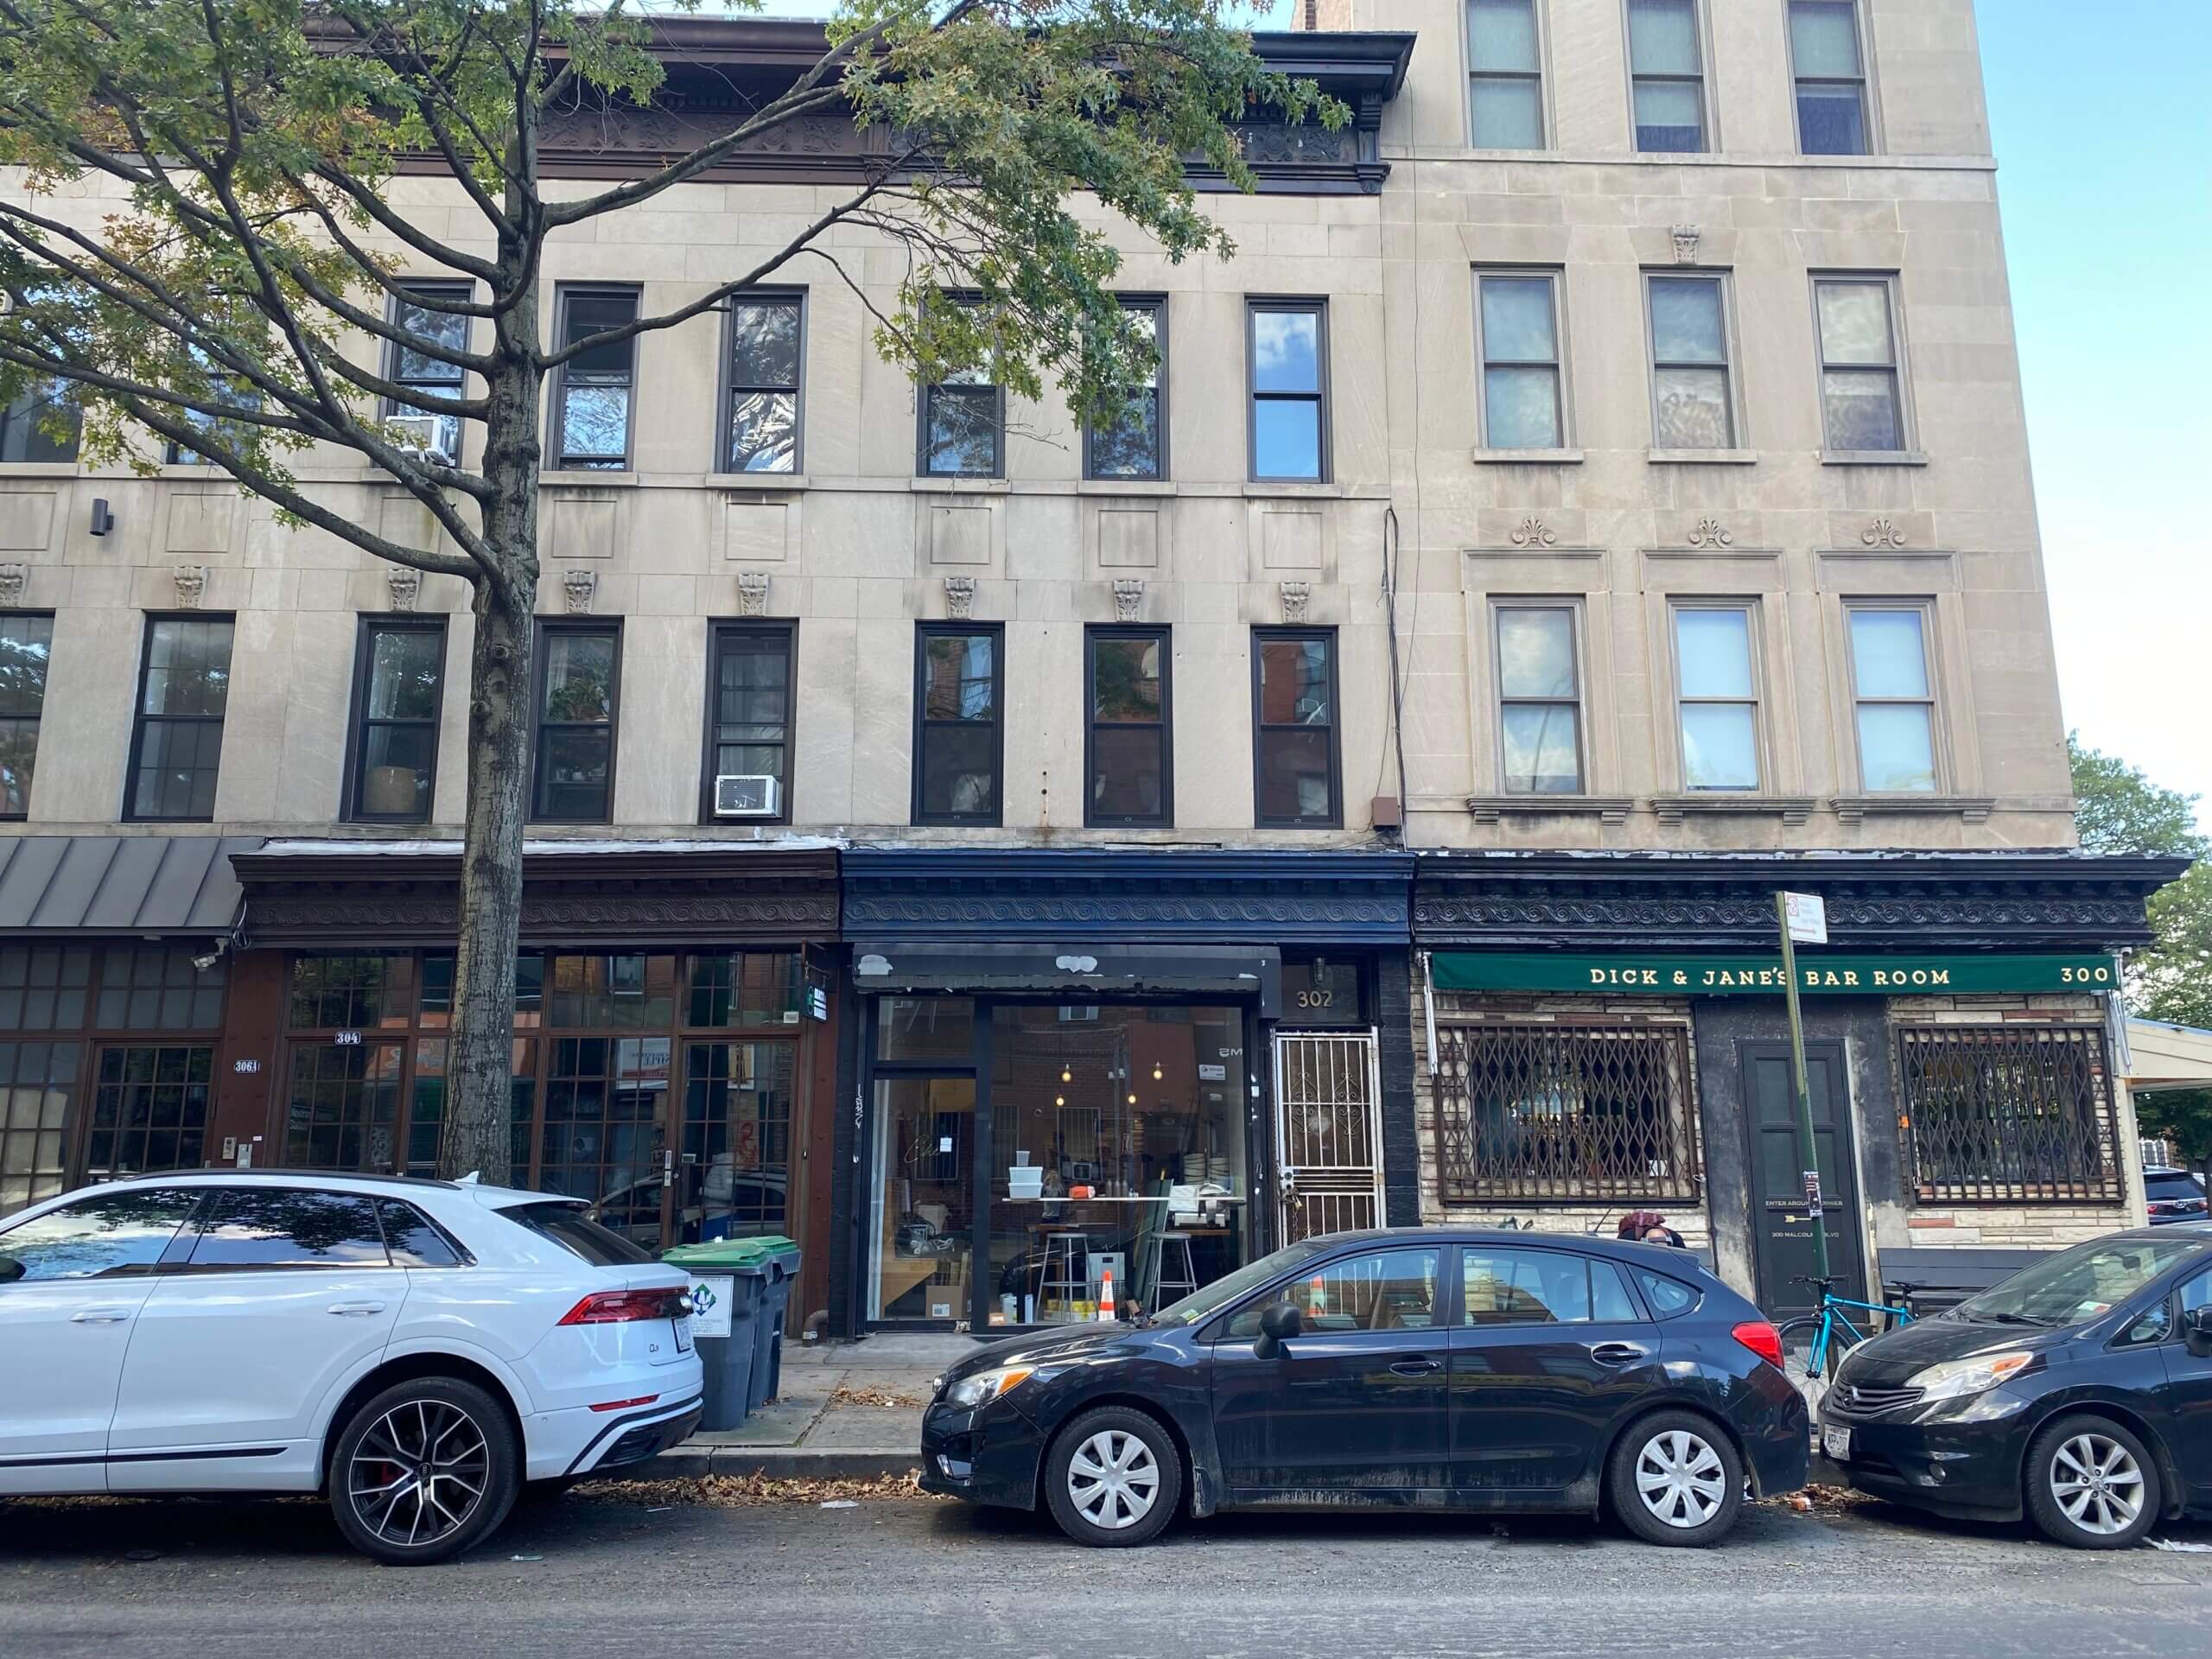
column 1822, row 1499
column 884, row 1397
column 746, row 1491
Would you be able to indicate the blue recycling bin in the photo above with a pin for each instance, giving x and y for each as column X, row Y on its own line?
column 729, row 1362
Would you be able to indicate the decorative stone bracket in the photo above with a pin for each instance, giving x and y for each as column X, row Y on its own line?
column 12, row 579
column 578, row 588
column 1128, row 596
column 1295, row 597
column 959, row 597
column 191, row 584
column 752, row 593
column 404, row 583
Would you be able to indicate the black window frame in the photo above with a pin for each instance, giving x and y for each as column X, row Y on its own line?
column 1148, row 632
column 548, row 629
column 928, row 393
column 719, row 632
column 141, row 721
column 1157, row 305
column 37, row 722
column 1261, row 727
column 557, row 423
column 452, row 385
column 995, row 815
column 21, row 415
column 360, row 724
column 730, row 388
column 1324, row 450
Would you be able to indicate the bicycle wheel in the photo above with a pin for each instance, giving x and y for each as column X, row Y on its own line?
column 1798, row 1339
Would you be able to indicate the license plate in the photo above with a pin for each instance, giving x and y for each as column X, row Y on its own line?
column 1836, row 1442
column 682, row 1335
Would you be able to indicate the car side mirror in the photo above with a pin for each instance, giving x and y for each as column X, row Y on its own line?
column 11, row 1269
column 2195, row 1327
column 1278, row 1322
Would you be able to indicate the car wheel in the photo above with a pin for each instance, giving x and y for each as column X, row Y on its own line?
column 2091, row 1484
column 1113, row 1477
column 424, row 1469
column 1675, row 1479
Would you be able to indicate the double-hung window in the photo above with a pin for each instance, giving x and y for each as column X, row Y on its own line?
column 1693, row 406
column 1295, row 762
column 579, row 674
column 1286, row 355
column 426, row 372
column 42, row 424
column 1666, row 65
column 1517, row 321
column 1893, row 695
column 1505, row 76
column 963, row 423
column 176, row 741
column 1828, row 60
column 25, row 642
column 227, row 391
column 1719, row 703
column 399, row 696
column 1135, row 444
column 766, row 353
column 959, row 681
column 749, row 710
column 598, row 387
column 1862, row 405
column 1130, row 761
column 1540, row 699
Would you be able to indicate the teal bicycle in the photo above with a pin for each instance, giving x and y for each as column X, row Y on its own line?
column 1814, row 1346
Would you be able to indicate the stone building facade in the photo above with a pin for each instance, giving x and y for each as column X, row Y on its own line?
column 1571, row 460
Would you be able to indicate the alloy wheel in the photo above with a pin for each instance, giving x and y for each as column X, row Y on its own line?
column 419, row 1472
column 1113, row 1479
column 2097, row 1483
column 1680, row 1478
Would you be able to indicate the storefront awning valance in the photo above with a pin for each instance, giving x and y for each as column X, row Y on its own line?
column 1631, row 973
column 920, row 967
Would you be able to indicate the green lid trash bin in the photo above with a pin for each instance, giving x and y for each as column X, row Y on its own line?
column 729, row 1280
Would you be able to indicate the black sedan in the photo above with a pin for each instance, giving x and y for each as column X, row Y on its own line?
column 1404, row 1368
column 2078, row 1391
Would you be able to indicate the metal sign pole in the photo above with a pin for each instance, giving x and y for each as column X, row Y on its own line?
column 1808, row 1159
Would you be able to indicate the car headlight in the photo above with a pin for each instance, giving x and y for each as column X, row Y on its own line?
column 986, row 1386
column 1954, row 1379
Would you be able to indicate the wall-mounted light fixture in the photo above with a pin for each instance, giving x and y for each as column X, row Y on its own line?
column 102, row 520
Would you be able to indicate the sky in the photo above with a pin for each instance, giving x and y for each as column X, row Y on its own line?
column 2101, row 120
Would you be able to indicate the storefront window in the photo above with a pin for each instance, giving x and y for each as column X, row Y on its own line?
column 606, row 1101
column 350, row 992
column 925, row 1029
column 157, row 987
column 736, row 1148
column 628, row 993
column 923, row 1211
column 744, row 988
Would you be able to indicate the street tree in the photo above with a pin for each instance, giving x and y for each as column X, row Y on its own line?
column 200, row 250
column 2119, row 810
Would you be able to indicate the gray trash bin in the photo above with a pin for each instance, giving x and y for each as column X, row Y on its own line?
column 726, row 1268
column 779, row 1258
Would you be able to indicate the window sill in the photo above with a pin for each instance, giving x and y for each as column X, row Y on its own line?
column 1489, row 809
column 1702, row 457
column 582, row 479
column 1124, row 486
column 42, row 470
column 757, row 483
column 1872, row 458
column 1262, row 489
column 1481, row 457
column 1856, row 809
column 1792, row 809
column 960, row 485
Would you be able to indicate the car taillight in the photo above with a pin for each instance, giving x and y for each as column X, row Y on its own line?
column 2165, row 1206
column 1762, row 1339
column 619, row 1306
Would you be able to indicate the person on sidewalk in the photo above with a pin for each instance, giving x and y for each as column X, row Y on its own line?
column 1650, row 1227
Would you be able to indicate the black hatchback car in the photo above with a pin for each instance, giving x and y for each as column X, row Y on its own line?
column 1410, row 1368
column 2078, row 1391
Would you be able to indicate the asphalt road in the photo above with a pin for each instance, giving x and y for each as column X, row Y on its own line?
column 912, row 1577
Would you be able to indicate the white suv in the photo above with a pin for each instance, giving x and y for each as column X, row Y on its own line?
column 419, row 1350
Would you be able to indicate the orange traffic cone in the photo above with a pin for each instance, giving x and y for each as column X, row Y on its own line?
column 1106, row 1314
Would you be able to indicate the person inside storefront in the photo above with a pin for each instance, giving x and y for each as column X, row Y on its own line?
column 1650, row 1227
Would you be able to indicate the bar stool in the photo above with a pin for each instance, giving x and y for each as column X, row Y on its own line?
column 1180, row 1278
column 1066, row 1269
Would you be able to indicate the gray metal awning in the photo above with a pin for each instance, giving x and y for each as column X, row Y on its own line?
column 61, row 885
column 921, row 966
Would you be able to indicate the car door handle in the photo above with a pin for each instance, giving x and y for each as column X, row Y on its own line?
column 356, row 1310
column 99, row 1316
column 1415, row 1367
column 1617, row 1353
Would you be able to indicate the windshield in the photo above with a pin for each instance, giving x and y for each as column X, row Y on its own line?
column 1203, row 1303
column 2080, row 1284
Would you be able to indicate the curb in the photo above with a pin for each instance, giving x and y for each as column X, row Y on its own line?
column 776, row 1462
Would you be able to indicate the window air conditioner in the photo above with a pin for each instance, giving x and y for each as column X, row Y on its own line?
column 746, row 795
column 419, row 433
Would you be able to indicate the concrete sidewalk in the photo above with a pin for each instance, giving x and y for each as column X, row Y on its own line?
column 846, row 1411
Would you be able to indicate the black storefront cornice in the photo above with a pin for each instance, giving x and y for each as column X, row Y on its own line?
column 1997, row 900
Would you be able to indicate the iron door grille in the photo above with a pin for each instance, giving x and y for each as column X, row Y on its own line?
column 2011, row 1113
column 1329, row 1133
column 1574, row 1113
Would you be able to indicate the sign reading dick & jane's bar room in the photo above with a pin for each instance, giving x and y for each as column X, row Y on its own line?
column 1633, row 973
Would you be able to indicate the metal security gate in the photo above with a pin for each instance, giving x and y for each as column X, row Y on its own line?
column 1328, row 1133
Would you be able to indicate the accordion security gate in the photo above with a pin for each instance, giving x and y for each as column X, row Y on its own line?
column 1328, row 1133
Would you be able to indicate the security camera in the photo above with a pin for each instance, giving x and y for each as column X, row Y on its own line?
column 203, row 963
